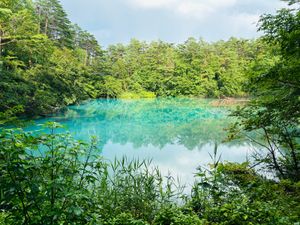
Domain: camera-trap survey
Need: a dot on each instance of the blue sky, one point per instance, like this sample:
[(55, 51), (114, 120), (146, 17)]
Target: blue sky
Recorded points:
[(117, 21)]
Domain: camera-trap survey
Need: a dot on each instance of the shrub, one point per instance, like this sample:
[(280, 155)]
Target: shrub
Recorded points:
[(174, 216), (235, 194), (53, 179)]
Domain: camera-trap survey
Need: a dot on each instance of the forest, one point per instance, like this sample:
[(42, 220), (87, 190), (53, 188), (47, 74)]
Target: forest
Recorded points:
[(48, 63)]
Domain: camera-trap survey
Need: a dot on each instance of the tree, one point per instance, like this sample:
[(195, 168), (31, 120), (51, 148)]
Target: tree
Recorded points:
[(87, 42), (54, 23), (16, 22), (275, 109)]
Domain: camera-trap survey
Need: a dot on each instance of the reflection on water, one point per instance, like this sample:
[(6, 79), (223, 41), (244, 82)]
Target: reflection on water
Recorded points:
[(177, 133)]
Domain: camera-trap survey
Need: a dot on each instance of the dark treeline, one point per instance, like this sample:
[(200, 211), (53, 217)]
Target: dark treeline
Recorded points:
[(46, 63)]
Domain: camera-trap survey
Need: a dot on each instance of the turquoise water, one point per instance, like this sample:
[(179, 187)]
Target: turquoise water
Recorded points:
[(176, 133)]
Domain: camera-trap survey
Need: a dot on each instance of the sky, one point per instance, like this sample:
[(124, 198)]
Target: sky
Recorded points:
[(118, 21)]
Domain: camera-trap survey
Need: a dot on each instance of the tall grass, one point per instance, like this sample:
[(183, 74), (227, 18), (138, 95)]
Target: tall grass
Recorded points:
[(53, 179)]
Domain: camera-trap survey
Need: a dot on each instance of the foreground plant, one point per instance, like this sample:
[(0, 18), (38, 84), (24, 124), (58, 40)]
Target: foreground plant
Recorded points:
[(275, 109), (53, 179), (234, 193)]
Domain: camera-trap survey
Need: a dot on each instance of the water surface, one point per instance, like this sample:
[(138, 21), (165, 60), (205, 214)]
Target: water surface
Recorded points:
[(176, 133)]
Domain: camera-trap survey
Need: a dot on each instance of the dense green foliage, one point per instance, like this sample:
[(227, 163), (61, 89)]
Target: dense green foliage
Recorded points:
[(47, 63), (194, 68), (52, 179), (235, 194), (275, 109)]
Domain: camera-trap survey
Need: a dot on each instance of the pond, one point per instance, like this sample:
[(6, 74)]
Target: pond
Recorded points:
[(178, 134)]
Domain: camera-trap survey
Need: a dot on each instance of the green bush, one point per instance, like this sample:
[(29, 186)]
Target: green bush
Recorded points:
[(125, 219), (141, 94), (232, 193), (53, 179), (174, 216), (109, 87)]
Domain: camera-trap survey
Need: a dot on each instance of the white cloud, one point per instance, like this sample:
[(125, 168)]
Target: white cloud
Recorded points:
[(243, 21), (194, 9), (152, 3), (189, 8), (114, 21), (102, 33)]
